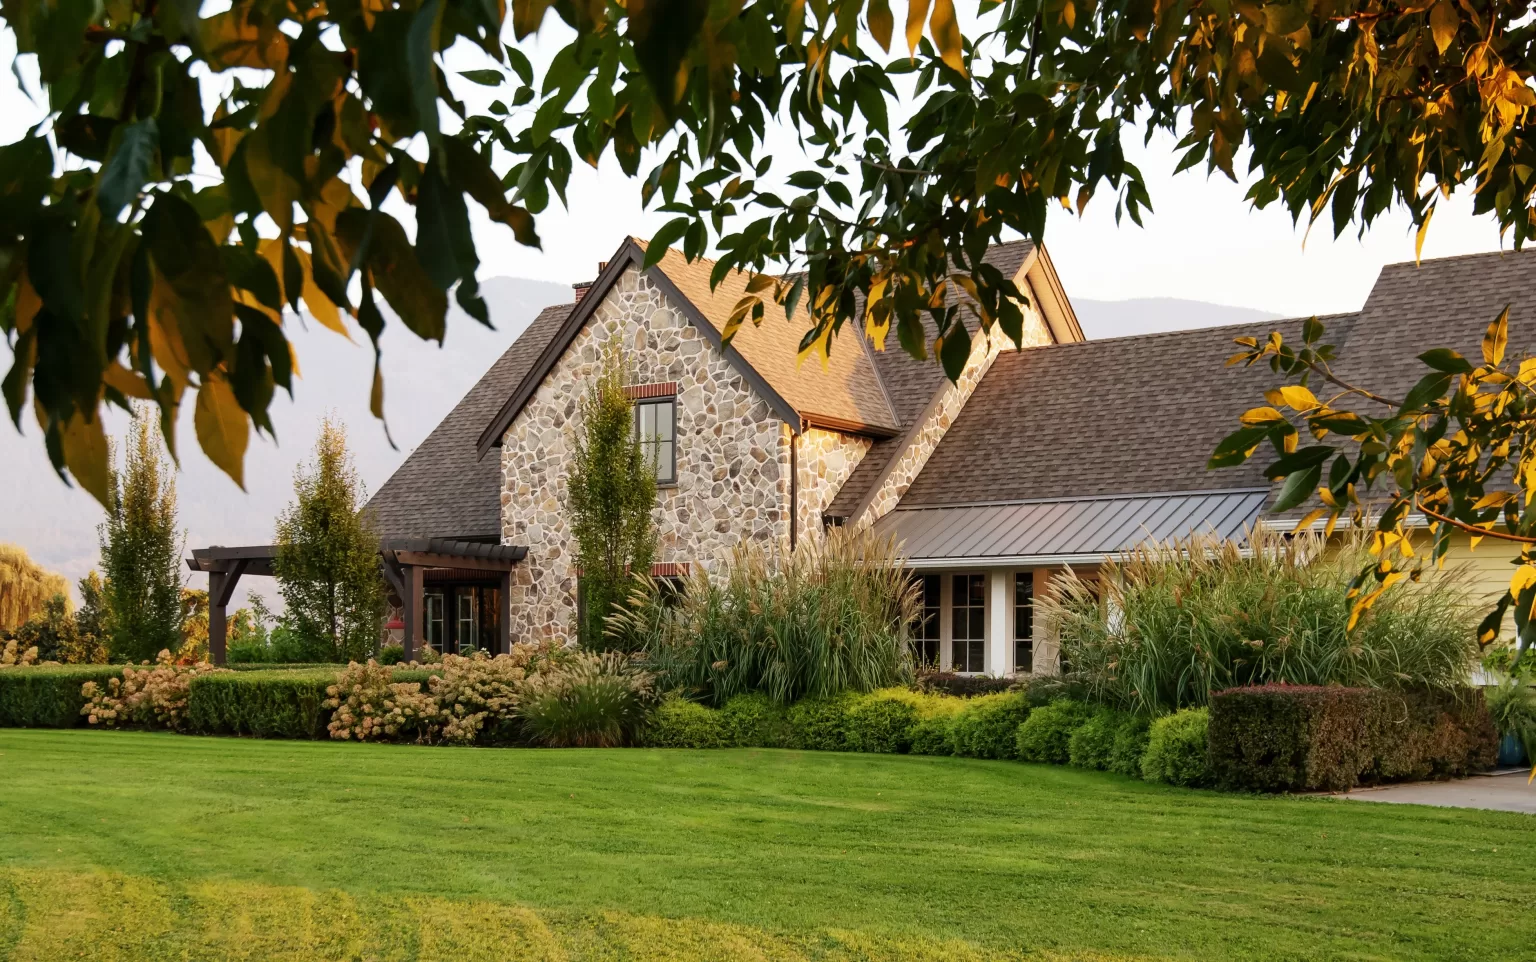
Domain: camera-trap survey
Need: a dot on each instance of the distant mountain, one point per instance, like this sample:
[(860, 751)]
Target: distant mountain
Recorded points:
[(1149, 315), (57, 525)]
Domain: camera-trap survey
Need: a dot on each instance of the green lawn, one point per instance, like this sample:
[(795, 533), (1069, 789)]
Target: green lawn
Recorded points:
[(137, 846)]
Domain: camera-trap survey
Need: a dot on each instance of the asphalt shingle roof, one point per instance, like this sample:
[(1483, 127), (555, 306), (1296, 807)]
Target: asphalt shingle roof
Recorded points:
[(443, 490)]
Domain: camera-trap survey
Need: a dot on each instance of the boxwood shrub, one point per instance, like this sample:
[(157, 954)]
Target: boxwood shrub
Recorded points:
[(930, 736), (883, 720), (755, 721), (48, 696), (987, 726), (1130, 744), (821, 724), (1046, 735), (680, 723), (1176, 749), (1092, 746), (264, 704)]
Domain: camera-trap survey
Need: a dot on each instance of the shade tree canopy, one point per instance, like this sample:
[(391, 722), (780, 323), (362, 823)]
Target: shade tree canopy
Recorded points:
[(202, 171)]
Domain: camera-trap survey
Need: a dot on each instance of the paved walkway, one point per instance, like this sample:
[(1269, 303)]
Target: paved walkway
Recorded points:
[(1509, 792)]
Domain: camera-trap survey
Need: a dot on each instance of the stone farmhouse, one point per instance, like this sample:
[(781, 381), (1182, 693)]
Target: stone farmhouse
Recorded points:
[(1059, 453)]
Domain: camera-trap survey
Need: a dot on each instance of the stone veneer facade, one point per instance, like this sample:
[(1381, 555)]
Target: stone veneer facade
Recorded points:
[(935, 421), (823, 461), (732, 455)]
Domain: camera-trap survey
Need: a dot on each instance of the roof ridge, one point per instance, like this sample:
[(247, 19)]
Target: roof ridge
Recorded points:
[(1455, 257), (1154, 335)]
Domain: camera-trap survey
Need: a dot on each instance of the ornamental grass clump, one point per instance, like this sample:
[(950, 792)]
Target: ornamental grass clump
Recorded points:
[(595, 700), (833, 615), (1163, 626)]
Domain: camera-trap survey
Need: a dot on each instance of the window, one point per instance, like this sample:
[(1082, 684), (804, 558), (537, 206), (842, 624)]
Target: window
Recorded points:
[(656, 430), (968, 623), (469, 625), (926, 635), (1023, 621), (432, 624)]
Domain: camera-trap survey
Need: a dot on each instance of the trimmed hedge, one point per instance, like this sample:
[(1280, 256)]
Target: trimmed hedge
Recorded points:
[(286, 666), (1276, 738), (680, 723), (987, 727), (48, 696), (1177, 752), (882, 721), (962, 686), (1130, 744), (821, 724), (1046, 735), (271, 704), (755, 721), (1092, 746)]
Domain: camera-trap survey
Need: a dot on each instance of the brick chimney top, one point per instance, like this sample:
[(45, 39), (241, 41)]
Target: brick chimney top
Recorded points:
[(581, 290)]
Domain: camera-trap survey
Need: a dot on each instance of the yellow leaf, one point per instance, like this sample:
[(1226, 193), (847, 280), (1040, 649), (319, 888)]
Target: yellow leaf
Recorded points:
[(1293, 396), (1418, 240), (881, 23), (946, 34), (1255, 417), (1496, 339), (1525, 577), (85, 453), (27, 305), (1306, 521), (222, 427), (130, 383), (917, 13), (1443, 23)]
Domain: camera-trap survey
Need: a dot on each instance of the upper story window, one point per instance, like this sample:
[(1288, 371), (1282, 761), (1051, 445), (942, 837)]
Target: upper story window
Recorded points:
[(656, 430)]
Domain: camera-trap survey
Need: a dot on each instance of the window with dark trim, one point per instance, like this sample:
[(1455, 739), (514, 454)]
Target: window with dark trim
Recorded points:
[(925, 639), (1023, 621), (656, 430), (968, 624)]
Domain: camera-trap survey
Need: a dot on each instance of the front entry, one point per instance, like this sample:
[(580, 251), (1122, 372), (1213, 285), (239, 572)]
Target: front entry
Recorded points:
[(461, 618)]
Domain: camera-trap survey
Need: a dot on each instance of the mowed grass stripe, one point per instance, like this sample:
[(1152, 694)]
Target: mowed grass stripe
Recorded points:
[(790, 848)]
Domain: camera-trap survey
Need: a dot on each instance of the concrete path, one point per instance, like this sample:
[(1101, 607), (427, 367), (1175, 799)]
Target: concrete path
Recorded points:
[(1507, 792)]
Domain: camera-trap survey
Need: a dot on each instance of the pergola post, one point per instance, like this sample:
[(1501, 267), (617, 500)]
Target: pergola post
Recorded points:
[(504, 616), (412, 603), (217, 627)]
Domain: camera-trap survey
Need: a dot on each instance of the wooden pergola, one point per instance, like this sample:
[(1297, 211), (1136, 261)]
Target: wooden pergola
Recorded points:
[(402, 561)]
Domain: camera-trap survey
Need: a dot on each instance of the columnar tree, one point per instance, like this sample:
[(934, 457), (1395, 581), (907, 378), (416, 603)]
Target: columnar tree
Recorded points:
[(141, 548), (610, 494), (327, 562), (25, 587)]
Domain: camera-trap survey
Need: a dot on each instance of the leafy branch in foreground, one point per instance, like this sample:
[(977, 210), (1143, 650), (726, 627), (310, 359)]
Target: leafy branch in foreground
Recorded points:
[(199, 175), (1457, 451)]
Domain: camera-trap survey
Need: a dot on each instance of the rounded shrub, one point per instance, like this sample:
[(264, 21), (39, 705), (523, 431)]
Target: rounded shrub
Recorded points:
[(1046, 735), (882, 721), (755, 721), (680, 723), (391, 654), (1177, 749), (821, 724), (1130, 745), (935, 714), (1092, 745), (987, 726)]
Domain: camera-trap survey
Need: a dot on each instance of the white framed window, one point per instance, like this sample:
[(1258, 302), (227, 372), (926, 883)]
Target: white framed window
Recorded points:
[(468, 634), (656, 430), (968, 622), (1023, 621), (433, 625), (927, 633)]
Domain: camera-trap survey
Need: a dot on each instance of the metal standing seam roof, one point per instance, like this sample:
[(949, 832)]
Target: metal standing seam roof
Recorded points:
[(1075, 529)]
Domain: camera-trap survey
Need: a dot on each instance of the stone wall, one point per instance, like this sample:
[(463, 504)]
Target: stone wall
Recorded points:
[(732, 455), (823, 461), (935, 421)]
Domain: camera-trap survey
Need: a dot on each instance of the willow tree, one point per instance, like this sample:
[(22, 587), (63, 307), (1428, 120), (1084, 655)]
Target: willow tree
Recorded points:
[(327, 561), (25, 587), (141, 548), (610, 495)]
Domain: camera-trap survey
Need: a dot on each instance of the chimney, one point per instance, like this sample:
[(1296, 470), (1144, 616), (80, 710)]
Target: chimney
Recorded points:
[(581, 290)]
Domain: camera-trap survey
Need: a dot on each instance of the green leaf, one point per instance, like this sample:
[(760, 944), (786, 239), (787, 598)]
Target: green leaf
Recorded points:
[(1430, 388), (396, 272), (444, 244), (955, 350), (469, 169), (127, 170), (420, 49), (669, 234), (519, 64), (1301, 460), (1298, 488), (191, 282), (1236, 447), (485, 78), (662, 31), (1447, 360)]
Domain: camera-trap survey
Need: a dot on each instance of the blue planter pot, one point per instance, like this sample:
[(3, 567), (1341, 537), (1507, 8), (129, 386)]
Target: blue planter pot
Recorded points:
[(1511, 750)]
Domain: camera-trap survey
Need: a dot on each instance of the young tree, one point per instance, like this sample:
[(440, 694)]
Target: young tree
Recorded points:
[(610, 494), (51, 631), (93, 622), (25, 587), (327, 562), (141, 548)]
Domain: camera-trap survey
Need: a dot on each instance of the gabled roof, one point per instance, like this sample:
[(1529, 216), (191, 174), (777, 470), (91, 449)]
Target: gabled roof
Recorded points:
[(444, 490)]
